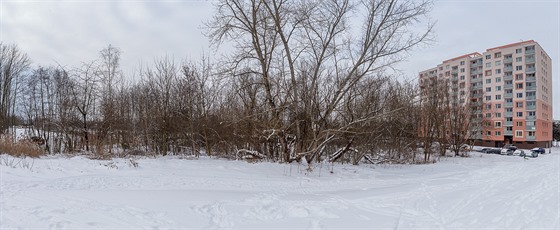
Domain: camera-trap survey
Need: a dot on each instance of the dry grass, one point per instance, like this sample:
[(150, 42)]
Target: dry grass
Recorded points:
[(22, 148)]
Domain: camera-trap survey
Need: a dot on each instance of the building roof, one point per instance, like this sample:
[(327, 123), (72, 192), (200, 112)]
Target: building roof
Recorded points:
[(471, 55), (510, 45)]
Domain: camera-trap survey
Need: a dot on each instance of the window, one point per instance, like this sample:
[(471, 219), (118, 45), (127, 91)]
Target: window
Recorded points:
[(488, 81), (498, 106), (498, 71), (498, 133), (497, 55), (447, 67), (488, 56), (462, 77), (462, 70), (519, 86), (519, 123), (488, 98), (498, 97), (519, 133), (489, 106), (519, 114), (531, 133), (488, 89), (498, 115), (488, 73), (498, 88), (519, 104), (518, 59), (488, 64), (488, 115), (519, 77), (518, 67), (497, 63), (519, 95), (498, 124), (498, 79), (532, 113), (462, 62), (518, 51)]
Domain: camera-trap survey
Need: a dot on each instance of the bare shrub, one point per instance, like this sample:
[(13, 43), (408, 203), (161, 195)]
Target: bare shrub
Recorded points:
[(14, 162), (22, 148), (133, 163)]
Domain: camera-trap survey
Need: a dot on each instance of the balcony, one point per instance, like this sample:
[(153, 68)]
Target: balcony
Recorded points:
[(531, 87), (531, 118), (508, 86), (531, 98), (508, 133), (530, 70), (508, 68), (508, 104), (476, 72), (476, 80), (478, 64), (531, 107), (508, 60), (530, 79), (529, 51), (531, 138), (508, 95), (529, 60), (477, 87), (508, 123), (530, 127), (476, 95), (508, 77), (508, 114)]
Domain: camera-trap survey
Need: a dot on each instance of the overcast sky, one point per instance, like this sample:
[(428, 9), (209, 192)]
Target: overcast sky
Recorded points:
[(70, 32)]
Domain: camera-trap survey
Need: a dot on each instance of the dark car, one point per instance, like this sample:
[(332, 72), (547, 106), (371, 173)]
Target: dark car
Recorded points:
[(538, 150), (510, 147), (491, 150)]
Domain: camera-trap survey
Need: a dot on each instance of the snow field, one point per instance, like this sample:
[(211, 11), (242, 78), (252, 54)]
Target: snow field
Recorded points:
[(483, 191)]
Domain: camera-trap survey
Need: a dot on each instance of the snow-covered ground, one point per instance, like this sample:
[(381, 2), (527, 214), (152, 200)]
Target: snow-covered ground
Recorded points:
[(484, 191)]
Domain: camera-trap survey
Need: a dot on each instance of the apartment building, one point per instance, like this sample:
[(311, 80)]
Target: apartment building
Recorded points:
[(508, 90)]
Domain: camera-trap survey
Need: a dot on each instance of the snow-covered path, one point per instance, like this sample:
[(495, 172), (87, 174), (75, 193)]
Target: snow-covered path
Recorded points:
[(484, 191)]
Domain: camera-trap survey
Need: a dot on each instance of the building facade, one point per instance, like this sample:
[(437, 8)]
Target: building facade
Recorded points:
[(509, 92)]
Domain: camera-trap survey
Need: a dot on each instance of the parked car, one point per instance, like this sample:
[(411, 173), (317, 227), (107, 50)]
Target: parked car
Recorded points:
[(506, 151), (519, 152), (510, 146), (491, 150), (538, 150), (463, 147), (529, 154)]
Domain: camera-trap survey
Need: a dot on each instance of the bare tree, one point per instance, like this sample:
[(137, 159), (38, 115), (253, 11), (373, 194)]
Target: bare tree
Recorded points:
[(85, 91), (110, 76), (311, 42), (13, 64)]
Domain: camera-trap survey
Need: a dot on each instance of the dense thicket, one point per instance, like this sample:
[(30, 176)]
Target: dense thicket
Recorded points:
[(307, 80)]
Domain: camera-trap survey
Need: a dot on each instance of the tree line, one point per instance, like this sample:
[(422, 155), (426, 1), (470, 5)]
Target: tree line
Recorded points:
[(306, 80)]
